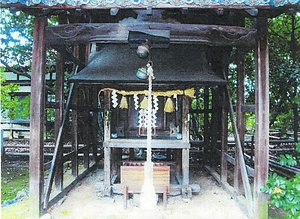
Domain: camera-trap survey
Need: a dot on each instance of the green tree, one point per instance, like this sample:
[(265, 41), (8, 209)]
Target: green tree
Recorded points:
[(16, 42), (12, 107), (284, 47), (16, 57)]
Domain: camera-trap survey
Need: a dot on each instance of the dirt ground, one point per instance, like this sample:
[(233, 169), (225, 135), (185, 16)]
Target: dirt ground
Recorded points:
[(86, 202)]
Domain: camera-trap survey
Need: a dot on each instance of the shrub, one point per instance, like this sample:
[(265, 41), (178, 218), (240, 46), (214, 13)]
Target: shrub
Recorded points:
[(285, 193)]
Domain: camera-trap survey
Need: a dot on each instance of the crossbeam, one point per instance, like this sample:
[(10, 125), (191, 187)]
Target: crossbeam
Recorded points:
[(214, 35)]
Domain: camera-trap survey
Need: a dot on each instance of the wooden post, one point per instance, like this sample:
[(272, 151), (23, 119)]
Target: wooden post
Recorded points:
[(214, 130), (107, 171), (261, 164), (206, 125), (240, 119), (37, 108), (224, 138), (59, 98), (95, 127), (87, 129), (185, 118), (186, 138), (74, 136), (185, 167), (107, 150)]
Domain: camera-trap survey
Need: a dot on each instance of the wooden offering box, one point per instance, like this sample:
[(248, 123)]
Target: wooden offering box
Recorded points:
[(132, 180)]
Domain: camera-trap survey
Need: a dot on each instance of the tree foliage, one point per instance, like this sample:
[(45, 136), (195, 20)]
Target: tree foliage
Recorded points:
[(284, 47), (16, 41), (284, 68), (12, 107), (285, 193)]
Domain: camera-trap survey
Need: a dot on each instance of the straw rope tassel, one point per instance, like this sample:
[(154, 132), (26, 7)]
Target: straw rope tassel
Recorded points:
[(123, 103), (144, 103), (169, 106)]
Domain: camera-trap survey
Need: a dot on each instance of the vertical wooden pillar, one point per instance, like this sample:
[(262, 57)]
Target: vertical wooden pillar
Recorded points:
[(87, 129), (261, 162), (107, 150), (240, 119), (185, 138), (59, 91), (59, 99), (224, 137), (206, 125), (37, 108), (185, 167), (74, 136), (214, 161), (185, 124), (95, 127)]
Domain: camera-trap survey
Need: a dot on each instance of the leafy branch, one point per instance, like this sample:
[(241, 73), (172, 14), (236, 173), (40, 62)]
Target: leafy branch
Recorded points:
[(9, 68), (285, 193)]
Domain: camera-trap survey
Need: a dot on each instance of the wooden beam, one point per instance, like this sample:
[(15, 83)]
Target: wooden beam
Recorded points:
[(56, 149), (74, 136), (59, 99), (185, 166), (240, 119), (206, 125), (261, 164), (107, 150), (246, 184), (70, 186), (37, 107), (39, 9), (141, 143), (224, 137), (94, 122), (216, 35), (215, 128), (185, 119)]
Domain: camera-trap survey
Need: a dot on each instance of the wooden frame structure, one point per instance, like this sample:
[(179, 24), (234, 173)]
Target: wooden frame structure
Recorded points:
[(213, 34), (122, 127)]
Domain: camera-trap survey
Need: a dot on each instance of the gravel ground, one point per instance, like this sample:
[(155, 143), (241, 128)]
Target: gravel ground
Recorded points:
[(85, 201)]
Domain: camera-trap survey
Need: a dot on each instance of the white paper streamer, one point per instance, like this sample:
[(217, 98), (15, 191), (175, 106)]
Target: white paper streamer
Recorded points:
[(176, 102), (155, 104), (114, 98), (136, 101), (142, 118), (154, 111), (153, 119)]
